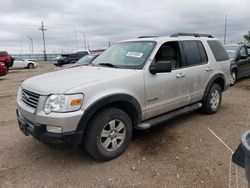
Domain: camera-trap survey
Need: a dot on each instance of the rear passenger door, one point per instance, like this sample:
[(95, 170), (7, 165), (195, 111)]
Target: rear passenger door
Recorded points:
[(197, 69)]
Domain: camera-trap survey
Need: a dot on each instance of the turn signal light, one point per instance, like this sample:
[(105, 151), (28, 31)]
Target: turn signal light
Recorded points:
[(76, 102)]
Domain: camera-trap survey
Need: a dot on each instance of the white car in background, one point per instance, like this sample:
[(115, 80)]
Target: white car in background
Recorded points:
[(22, 63)]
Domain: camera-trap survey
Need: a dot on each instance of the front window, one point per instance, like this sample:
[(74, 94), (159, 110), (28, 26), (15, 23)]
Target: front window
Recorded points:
[(127, 55), (231, 51)]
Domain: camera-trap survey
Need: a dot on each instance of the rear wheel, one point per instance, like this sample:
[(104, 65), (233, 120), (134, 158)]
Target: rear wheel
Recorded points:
[(108, 134), (212, 102), (31, 66)]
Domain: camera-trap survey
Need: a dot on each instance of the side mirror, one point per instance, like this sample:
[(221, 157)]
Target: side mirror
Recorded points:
[(161, 67)]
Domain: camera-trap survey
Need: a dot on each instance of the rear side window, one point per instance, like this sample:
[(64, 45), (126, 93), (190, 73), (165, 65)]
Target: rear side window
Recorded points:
[(203, 53), (218, 50), (194, 53)]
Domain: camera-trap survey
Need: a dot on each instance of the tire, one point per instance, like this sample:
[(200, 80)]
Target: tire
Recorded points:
[(116, 129), (212, 102), (233, 77), (30, 66), (7, 67)]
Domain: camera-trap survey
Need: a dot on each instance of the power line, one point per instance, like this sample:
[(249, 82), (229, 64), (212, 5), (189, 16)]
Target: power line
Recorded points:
[(44, 45)]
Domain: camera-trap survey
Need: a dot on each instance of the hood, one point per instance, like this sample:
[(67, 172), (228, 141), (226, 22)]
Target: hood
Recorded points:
[(67, 66), (63, 80)]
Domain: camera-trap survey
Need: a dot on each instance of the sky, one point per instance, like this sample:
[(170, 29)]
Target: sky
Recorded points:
[(104, 21)]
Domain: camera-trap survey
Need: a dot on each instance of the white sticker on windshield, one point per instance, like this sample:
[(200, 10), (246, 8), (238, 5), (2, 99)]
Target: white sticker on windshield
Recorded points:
[(134, 54)]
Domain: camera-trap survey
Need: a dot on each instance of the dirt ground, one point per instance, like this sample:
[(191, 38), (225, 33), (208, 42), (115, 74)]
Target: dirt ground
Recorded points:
[(180, 153)]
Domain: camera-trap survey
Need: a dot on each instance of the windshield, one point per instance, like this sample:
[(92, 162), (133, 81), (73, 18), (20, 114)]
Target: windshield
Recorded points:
[(86, 59), (231, 51), (128, 55)]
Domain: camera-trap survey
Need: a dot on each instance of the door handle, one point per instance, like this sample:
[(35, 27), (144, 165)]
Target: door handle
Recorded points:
[(180, 75), (209, 69)]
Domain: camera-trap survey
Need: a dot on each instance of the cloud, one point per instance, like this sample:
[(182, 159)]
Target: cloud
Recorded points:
[(114, 20)]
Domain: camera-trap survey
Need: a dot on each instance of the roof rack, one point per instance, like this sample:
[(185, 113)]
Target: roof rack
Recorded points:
[(192, 34), (152, 36)]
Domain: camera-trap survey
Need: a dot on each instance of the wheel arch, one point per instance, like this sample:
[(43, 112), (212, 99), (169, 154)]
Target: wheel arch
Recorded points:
[(218, 79), (235, 68), (124, 102), (30, 63)]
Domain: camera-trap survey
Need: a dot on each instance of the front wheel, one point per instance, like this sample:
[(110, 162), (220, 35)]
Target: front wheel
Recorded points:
[(108, 134), (233, 77), (212, 102)]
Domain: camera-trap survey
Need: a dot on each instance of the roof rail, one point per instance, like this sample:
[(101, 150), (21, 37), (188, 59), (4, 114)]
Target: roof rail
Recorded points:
[(152, 36), (192, 34)]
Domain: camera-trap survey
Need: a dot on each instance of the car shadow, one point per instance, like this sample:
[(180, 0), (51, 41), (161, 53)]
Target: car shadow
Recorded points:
[(159, 139)]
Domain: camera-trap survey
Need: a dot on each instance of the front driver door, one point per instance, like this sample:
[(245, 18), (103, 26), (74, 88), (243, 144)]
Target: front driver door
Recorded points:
[(166, 91), (243, 62)]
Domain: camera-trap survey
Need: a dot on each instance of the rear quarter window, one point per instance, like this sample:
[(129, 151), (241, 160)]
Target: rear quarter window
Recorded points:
[(218, 50)]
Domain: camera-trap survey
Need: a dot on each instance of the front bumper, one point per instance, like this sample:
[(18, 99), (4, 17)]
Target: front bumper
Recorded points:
[(57, 140)]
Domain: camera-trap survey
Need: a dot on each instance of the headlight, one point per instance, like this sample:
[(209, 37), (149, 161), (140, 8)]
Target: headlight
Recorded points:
[(63, 103)]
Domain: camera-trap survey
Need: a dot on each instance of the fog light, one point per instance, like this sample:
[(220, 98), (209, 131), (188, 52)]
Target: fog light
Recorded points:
[(53, 129)]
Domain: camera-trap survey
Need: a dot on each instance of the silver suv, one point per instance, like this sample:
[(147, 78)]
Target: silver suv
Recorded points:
[(134, 84)]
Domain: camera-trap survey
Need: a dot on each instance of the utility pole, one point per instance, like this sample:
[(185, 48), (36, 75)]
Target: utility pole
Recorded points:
[(84, 41), (29, 40), (44, 45), (21, 47), (32, 47), (225, 32), (75, 37), (88, 47)]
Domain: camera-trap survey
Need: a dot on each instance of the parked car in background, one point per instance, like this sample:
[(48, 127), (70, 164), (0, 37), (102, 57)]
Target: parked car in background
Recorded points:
[(7, 59), (3, 69), (240, 61), (70, 58), (21, 63), (84, 61)]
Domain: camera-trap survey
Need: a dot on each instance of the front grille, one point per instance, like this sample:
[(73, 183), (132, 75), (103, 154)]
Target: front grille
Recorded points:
[(30, 98)]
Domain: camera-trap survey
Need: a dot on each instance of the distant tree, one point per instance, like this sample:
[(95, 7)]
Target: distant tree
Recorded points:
[(247, 37)]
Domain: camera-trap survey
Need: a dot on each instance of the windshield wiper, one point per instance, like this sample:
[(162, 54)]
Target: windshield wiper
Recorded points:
[(108, 65), (91, 64)]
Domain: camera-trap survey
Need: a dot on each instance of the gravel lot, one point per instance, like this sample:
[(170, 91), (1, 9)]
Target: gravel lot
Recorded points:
[(180, 153)]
